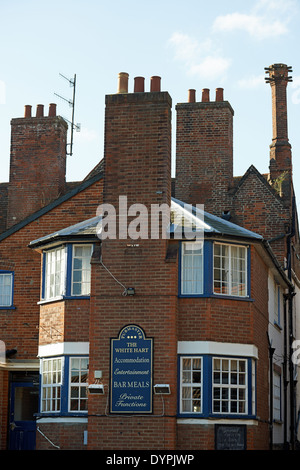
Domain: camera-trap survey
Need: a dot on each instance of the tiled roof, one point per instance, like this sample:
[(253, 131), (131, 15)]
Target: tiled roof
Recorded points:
[(182, 217)]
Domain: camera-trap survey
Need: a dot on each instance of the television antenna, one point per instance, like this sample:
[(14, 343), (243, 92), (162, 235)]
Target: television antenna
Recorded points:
[(72, 82)]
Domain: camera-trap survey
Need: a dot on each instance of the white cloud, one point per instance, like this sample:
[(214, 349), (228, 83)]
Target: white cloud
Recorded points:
[(267, 19), (200, 58), (87, 135), (252, 82), (210, 67), (256, 26)]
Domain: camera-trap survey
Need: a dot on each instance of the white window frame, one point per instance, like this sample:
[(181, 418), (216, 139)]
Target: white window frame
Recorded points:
[(51, 384), (55, 279), (193, 269), (230, 387), (88, 271), (231, 272), (191, 385), (277, 303), (81, 385), (7, 282), (276, 396)]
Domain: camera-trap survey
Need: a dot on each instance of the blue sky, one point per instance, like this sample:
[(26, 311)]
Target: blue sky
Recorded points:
[(190, 44)]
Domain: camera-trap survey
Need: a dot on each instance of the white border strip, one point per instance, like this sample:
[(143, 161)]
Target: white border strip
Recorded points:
[(61, 349), (248, 422), (212, 347), (62, 419)]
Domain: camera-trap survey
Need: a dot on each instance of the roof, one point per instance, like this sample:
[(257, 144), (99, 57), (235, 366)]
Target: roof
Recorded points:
[(199, 219), (184, 219), (82, 229), (75, 190)]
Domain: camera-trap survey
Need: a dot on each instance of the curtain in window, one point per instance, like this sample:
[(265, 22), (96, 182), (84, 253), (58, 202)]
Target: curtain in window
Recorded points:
[(192, 268)]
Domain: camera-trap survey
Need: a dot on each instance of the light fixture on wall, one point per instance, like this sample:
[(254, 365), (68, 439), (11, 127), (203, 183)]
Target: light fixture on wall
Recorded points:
[(96, 389), (130, 291), (160, 389)]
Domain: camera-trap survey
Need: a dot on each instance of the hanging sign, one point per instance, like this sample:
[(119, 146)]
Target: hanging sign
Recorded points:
[(131, 372)]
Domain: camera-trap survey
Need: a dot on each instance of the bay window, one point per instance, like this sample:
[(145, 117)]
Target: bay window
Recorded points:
[(213, 268), (64, 385), (67, 271), (215, 386)]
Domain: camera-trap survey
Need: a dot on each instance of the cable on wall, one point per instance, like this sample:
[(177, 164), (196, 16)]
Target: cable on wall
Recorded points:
[(122, 285)]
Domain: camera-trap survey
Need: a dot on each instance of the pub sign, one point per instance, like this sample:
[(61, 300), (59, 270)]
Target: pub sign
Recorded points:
[(131, 371)]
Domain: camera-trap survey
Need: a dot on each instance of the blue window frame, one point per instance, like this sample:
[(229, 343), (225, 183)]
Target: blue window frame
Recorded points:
[(216, 386), (6, 289), (67, 271), (63, 385), (213, 268)]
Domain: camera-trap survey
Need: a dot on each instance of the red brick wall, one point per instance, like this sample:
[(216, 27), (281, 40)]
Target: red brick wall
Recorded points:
[(19, 327), (66, 436), (204, 154), (137, 164), (258, 208)]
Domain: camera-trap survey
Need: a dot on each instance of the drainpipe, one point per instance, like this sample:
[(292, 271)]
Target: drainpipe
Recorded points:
[(271, 353), (285, 376), (291, 328)]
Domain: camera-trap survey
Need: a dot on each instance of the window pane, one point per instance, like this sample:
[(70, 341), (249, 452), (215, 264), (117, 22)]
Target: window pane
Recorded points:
[(6, 289), (229, 385), (51, 384), (192, 268), (230, 270), (81, 270), (78, 383), (191, 376), (55, 273)]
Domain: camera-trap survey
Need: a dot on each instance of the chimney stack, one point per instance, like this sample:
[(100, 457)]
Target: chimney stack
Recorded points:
[(138, 144), (37, 162), (280, 149), (204, 151)]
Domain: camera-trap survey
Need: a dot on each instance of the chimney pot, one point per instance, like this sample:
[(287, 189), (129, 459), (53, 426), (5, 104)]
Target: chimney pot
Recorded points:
[(139, 84), (52, 109), (205, 95), (191, 96), (40, 110), (27, 113), (155, 83), (123, 82), (219, 94)]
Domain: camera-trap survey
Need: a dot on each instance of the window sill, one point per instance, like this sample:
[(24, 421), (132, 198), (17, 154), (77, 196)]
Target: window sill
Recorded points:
[(277, 326), (12, 307), (228, 420), (59, 418), (216, 296), (63, 297)]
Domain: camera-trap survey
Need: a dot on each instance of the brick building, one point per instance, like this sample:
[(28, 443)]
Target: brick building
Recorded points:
[(170, 332)]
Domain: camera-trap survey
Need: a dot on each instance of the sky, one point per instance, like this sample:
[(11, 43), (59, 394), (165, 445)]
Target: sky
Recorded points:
[(189, 44)]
